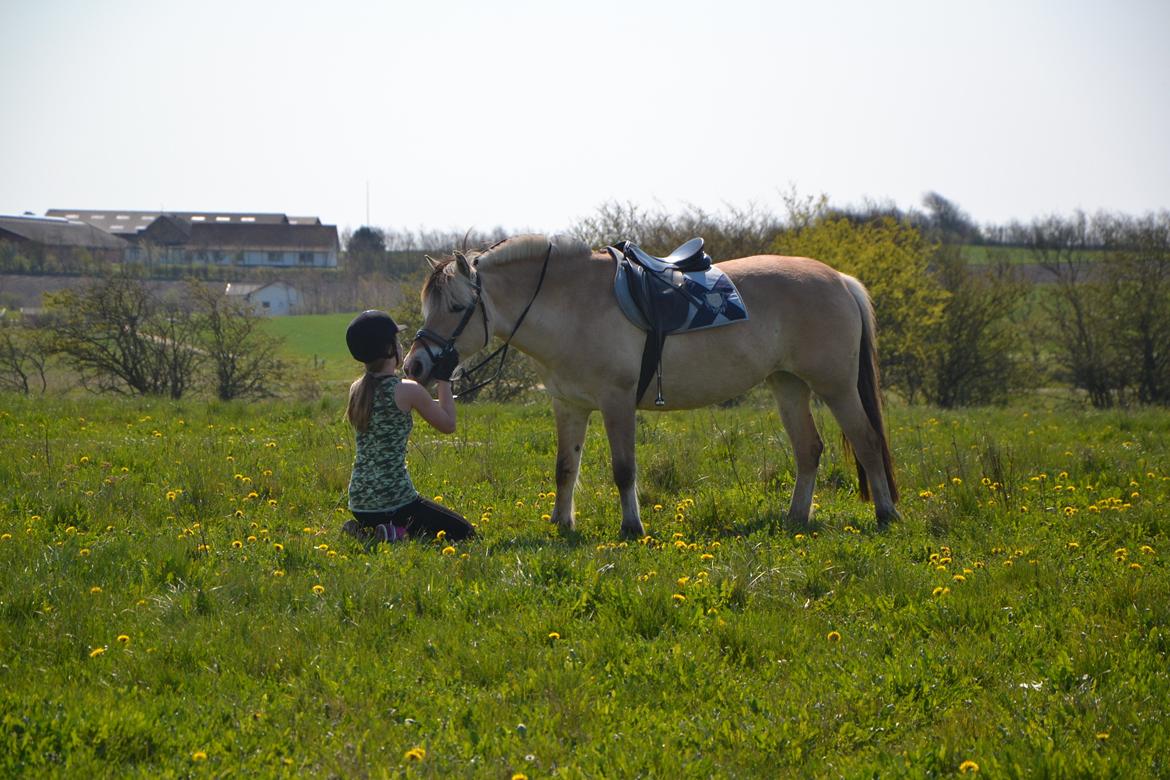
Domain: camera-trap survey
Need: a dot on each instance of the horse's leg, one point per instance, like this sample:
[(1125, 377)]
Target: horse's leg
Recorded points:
[(792, 397), (571, 424), (867, 448), (619, 420)]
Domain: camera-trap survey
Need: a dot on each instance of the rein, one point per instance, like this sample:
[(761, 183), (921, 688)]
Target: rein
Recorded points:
[(448, 346)]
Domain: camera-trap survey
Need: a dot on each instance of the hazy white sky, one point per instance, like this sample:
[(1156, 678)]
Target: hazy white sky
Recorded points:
[(531, 114)]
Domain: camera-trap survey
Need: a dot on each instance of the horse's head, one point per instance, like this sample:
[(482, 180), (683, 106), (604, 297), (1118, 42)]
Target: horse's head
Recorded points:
[(451, 302)]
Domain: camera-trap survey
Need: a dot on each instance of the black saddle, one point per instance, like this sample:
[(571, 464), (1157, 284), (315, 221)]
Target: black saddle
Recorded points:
[(688, 257), (651, 293)]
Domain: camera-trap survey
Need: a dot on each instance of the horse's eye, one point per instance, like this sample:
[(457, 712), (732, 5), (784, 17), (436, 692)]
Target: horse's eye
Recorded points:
[(457, 307)]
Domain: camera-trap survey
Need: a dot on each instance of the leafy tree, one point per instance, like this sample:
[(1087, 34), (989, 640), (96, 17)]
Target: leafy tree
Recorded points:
[(976, 343), (1080, 312), (946, 222), (242, 356), (23, 357), (122, 338), (365, 250), (892, 259), (1135, 274)]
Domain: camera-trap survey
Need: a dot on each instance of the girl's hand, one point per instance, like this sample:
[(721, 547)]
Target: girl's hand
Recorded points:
[(439, 413)]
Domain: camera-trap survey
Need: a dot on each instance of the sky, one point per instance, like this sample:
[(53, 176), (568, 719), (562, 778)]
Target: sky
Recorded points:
[(455, 114)]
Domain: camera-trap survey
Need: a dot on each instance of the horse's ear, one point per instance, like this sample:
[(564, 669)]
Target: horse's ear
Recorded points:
[(462, 265), (432, 262)]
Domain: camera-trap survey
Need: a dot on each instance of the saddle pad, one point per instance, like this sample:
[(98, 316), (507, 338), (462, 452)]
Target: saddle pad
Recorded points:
[(696, 300)]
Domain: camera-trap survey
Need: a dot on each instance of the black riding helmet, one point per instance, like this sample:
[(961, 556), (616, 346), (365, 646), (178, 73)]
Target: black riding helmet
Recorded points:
[(371, 335)]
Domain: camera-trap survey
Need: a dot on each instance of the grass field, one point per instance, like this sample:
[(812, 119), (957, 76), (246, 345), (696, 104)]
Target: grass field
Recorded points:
[(176, 600), (317, 341)]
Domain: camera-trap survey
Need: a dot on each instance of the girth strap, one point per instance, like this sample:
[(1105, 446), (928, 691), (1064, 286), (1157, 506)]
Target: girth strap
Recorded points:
[(651, 365)]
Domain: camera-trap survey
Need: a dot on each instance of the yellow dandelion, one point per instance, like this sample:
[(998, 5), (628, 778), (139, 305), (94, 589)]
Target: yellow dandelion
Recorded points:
[(968, 766), (940, 591), (251, 538), (415, 754), (199, 755), (124, 638), (706, 557), (318, 589), (679, 598), (956, 481), (236, 543), (96, 652), (1147, 550), (682, 581), (440, 536), (545, 518), (96, 589), (553, 635), (83, 552), (1073, 545), (448, 550), (658, 507), (925, 494), (172, 495), (959, 578), (278, 547), (1135, 565), (272, 502), (278, 572), (1103, 735), (833, 636), (519, 776)]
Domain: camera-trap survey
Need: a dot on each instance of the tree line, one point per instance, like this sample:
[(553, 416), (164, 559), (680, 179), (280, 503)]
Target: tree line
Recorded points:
[(952, 332), (1093, 314), (117, 334)]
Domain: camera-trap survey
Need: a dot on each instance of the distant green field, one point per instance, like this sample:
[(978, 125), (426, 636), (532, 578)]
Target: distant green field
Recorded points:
[(316, 340)]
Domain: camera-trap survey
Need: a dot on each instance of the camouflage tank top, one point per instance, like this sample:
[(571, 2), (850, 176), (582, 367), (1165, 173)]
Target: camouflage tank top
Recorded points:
[(380, 482)]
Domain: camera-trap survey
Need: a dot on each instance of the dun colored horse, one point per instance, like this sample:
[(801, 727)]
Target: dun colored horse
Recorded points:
[(810, 330)]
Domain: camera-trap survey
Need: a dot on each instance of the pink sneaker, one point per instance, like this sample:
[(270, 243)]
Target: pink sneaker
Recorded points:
[(388, 532)]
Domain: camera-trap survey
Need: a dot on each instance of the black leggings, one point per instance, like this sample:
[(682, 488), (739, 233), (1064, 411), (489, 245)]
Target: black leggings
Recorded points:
[(421, 518)]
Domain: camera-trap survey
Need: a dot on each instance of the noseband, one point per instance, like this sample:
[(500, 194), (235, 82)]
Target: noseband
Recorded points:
[(427, 337)]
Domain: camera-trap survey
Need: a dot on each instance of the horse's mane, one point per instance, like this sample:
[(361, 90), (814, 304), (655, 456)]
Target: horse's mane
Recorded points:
[(529, 246), (500, 253)]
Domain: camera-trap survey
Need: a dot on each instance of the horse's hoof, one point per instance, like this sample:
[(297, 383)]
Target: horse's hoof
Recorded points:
[(632, 531), (564, 525), (884, 518)]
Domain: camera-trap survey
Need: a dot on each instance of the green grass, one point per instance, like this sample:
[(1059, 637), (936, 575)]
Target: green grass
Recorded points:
[(199, 531), (316, 340)]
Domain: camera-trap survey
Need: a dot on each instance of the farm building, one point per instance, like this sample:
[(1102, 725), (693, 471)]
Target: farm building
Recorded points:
[(220, 238), (274, 299), (41, 234)]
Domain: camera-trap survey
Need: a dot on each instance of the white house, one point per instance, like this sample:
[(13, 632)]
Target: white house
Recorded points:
[(274, 299)]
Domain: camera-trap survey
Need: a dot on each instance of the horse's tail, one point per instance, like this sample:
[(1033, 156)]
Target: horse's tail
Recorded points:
[(869, 385)]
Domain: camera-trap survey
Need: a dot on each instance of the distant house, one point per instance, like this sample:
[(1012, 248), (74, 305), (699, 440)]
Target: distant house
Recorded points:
[(275, 299), (219, 238), (61, 234)]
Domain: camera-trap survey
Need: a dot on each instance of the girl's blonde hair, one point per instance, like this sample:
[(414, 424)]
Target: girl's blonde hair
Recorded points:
[(361, 393)]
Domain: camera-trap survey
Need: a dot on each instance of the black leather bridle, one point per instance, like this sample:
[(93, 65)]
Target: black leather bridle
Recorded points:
[(446, 347), (428, 338)]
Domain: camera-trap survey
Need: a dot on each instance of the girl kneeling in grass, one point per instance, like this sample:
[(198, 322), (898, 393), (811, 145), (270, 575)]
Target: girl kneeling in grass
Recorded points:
[(382, 498)]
